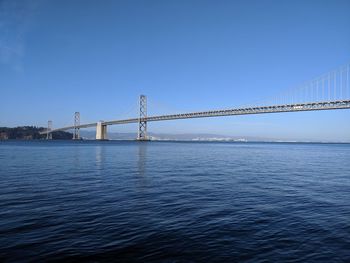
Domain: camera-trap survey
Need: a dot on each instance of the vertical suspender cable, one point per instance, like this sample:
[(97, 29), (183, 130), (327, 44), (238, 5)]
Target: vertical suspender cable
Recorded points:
[(341, 83), (335, 85), (347, 81)]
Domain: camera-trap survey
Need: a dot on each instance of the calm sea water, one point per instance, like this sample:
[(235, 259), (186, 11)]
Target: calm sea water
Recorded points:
[(174, 202)]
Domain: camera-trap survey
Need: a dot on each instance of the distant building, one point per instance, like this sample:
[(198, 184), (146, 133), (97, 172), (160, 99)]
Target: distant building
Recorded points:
[(3, 136)]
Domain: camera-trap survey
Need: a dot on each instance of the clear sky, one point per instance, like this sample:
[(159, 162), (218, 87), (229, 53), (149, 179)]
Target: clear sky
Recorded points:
[(96, 57)]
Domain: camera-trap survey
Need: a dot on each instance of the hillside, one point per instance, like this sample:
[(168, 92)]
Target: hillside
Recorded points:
[(30, 133)]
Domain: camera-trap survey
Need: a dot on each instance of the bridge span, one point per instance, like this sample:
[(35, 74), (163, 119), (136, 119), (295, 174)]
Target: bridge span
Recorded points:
[(331, 91), (101, 127)]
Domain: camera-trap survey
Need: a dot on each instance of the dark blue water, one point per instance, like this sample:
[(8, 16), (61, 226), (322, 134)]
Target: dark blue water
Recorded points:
[(174, 202)]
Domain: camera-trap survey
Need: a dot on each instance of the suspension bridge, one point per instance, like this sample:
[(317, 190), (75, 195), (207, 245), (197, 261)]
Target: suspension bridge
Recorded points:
[(330, 91)]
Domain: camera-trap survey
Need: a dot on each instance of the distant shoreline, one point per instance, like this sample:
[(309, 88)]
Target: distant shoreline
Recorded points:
[(171, 141)]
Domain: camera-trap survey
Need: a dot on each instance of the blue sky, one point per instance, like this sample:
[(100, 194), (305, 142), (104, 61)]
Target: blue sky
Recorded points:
[(96, 57)]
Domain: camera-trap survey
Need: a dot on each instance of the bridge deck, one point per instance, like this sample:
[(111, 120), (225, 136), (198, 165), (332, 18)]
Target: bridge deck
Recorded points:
[(312, 106)]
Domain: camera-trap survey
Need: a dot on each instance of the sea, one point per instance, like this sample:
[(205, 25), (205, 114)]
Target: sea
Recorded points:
[(129, 201)]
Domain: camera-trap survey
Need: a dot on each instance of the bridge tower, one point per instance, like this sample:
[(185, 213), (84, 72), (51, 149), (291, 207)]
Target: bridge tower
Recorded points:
[(142, 132), (49, 128), (76, 134)]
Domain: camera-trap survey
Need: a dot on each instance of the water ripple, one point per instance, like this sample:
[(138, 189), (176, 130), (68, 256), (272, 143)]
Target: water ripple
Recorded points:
[(174, 202)]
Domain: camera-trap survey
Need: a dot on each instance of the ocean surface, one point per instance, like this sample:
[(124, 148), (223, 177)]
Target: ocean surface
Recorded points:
[(86, 201)]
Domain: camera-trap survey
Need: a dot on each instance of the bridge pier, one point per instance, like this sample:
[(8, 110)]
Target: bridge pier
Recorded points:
[(101, 131)]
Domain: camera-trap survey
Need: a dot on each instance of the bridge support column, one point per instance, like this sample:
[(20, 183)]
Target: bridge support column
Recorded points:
[(101, 131), (49, 129), (76, 134), (142, 132)]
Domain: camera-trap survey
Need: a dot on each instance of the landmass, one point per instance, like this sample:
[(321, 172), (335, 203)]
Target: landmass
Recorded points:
[(31, 133)]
